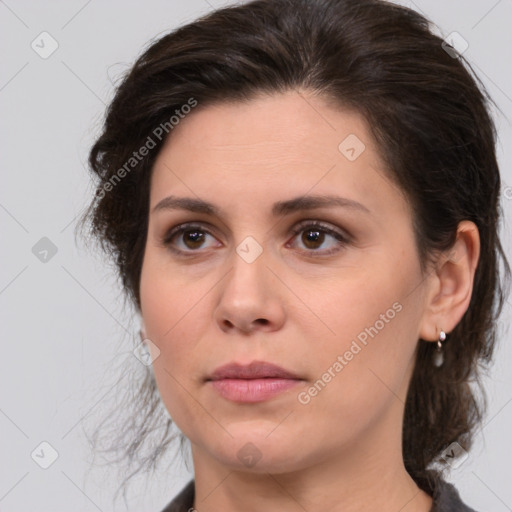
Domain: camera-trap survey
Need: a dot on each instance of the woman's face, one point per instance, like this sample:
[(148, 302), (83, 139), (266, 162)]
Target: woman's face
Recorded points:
[(298, 251)]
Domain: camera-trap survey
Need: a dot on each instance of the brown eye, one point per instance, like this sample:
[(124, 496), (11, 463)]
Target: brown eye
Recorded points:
[(193, 239), (189, 238), (318, 239), (313, 238)]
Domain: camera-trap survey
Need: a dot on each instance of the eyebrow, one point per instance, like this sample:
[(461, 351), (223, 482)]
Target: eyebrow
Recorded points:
[(279, 209)]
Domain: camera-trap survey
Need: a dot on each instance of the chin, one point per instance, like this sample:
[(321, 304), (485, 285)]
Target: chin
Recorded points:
[(255, 451)]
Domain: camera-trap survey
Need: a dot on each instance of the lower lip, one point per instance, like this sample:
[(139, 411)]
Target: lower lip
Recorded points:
[(252, 390)]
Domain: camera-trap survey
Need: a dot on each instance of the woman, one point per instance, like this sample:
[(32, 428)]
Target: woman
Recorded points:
[(302, 201)]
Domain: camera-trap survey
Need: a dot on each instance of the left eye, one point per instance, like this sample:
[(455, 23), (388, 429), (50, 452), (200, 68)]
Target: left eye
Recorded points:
[(318, 236)]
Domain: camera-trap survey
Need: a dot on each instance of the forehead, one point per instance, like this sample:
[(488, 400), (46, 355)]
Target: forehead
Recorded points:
[(282, 144), (294, 121)]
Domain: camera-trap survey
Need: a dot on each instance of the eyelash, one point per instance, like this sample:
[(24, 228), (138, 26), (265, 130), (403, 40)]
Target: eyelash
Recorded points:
[(325, 228), (301, 227)]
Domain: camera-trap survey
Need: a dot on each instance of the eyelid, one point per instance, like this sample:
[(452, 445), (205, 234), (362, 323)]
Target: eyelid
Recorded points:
[(338, 233), (185, 227)]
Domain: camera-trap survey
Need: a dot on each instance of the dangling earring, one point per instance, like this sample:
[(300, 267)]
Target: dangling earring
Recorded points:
[(438, 357)]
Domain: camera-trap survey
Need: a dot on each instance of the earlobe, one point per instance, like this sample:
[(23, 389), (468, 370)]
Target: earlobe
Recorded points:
[(452, 283), (142, 326), (142, 331)]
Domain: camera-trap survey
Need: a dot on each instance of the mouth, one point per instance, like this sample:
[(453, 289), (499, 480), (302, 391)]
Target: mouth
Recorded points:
[(255, 382)]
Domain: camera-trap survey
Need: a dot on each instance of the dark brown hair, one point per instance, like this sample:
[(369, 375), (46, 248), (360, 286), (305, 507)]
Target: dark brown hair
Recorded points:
[(429, 114)]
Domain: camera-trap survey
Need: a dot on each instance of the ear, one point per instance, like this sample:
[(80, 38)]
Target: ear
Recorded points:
[(450, 283)]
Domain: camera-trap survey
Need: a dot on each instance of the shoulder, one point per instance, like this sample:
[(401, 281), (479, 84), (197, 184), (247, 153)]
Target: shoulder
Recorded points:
[(446, 499), (183, 502)]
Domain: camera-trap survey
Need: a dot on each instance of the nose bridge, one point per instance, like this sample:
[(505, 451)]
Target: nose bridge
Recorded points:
[(248, 268), (247, 297)]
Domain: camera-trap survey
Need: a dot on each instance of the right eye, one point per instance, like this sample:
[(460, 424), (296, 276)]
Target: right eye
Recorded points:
[(188, 238)]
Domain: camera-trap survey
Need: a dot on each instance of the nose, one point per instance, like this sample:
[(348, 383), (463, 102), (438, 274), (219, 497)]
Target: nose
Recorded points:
[(250, 298)]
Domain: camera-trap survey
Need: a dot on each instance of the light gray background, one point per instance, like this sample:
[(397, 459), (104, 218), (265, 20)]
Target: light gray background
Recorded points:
[(63, 323)]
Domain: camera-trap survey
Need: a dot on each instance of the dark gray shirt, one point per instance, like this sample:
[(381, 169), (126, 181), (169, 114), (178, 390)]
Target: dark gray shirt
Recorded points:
[(445, 496)]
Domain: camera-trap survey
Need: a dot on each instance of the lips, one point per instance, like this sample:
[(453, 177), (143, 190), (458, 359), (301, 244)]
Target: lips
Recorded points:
[(255, 382), (254, 370)]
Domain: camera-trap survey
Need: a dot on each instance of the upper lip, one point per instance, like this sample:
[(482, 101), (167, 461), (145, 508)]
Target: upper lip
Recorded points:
[(254, 370)]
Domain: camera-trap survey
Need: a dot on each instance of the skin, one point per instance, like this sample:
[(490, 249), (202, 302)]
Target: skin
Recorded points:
[(295, 306)]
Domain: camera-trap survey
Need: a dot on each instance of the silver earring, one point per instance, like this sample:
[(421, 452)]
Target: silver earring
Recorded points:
[(438, 357)]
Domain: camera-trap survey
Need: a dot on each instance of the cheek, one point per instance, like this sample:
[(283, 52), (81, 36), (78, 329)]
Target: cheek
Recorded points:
[(365, 366), (174, 321), (170, 302)]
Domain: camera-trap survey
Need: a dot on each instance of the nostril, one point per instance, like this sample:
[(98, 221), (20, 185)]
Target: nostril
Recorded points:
[(229, 325)]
